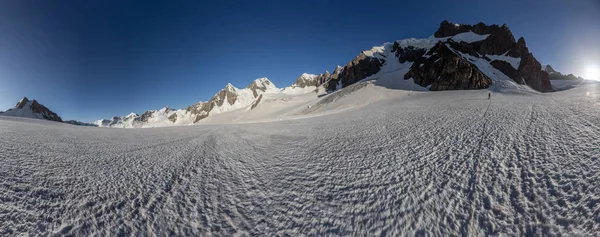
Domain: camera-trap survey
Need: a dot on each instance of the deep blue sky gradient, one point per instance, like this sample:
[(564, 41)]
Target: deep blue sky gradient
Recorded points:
[(89, 60)]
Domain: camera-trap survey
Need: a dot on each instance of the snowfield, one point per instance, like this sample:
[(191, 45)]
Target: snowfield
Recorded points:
[(423, 163)]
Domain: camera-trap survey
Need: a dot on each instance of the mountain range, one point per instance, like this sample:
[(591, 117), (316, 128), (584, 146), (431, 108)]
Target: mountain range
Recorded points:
[(555, 75), (455, 57)]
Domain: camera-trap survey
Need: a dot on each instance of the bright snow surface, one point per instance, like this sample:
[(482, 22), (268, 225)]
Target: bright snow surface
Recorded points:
[(423, 163)]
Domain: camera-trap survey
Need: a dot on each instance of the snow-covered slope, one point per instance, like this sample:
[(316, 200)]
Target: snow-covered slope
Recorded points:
[(450, 163)]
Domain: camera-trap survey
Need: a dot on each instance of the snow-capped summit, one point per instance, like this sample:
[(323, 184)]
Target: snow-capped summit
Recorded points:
[(261, 84), (22, 102), (132, 115), (32, 109), (305, 80)]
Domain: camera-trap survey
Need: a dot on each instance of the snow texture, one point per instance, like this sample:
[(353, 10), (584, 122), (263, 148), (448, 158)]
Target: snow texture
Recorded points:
[(430, 164), (514, 62), (469, 37)]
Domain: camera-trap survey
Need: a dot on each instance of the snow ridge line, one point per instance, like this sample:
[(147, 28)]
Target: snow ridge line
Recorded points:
[(473, 179)]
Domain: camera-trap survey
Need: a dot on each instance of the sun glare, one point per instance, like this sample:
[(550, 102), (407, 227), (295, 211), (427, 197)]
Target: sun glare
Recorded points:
[(592, 72)]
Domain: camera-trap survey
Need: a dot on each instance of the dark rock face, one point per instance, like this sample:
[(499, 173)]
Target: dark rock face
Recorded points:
[(408, 54), (200, 110), (508, 69), (145, 116), (466, 48), (360, 68), (228, 93), (459, 73), (446, 70), (322, 78), (518, 49), (499, 42), (449, 29), (21, 104), (303, 81), (256, 102), (173, 118), (531, 71), (334, 80), (255, 87)]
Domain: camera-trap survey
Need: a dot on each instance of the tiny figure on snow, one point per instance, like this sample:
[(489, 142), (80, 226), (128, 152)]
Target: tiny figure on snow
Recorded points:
[(489, 96)]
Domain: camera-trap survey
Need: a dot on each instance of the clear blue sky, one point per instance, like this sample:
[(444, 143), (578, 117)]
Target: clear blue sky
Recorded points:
[(88, 60)]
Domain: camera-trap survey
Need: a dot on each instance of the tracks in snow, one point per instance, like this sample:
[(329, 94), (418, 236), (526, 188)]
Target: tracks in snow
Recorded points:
[(424, 166)]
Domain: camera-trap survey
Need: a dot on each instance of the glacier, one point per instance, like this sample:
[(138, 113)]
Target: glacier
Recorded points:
[(399, 163)]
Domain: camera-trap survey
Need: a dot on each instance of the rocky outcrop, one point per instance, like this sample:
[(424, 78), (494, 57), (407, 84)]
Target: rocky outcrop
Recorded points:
[(445, 70), (145, 116), (500, 42), (334, 81), (227, 93), (258, 86), (256, 102), (531, 71), (508, 70), (200, 110), (173, 118), (307, 80), (312, 80), (449, 29), (408, 54), (361, 67)]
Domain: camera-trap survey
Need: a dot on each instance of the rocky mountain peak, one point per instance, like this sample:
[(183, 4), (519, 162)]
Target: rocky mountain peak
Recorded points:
[(22, 103), (260, 85), (229, 87), (500, 42), (32, 109), (549, 69), (556, 75)]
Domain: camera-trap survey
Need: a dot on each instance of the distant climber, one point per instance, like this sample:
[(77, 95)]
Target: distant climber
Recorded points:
[(489, 96)]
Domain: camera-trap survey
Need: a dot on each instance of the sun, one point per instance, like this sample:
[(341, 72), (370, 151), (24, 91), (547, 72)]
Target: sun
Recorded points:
[(592, 72)]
